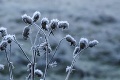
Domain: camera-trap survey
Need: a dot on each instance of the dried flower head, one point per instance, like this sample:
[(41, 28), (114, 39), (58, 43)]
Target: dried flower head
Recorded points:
[(27, 19), (70, 39), (63, 24), (9, 38), (44, 45), (36, 16), (93, 43), (76, 50), (83, 43), (39, 73), (3, 45), (54, 24), (3, 31), (1, 67), (44, 23), (26, 32)]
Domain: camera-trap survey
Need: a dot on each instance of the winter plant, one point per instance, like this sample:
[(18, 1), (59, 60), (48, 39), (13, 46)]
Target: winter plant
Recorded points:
[(45, 28)]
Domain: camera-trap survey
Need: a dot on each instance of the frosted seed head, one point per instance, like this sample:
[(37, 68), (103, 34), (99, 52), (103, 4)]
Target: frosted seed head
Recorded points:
[(36, 16), (39, 73), (44, 23), (3, 31), (70, 39), (26, 32), (54, 24), (9, 38), (3, 45), (1, 67), (27, 19), (93, 43), (76, 50), (63, 24), (83, 43)]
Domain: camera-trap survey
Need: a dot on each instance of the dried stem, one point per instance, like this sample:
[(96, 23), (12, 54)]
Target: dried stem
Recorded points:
[(10, 66), (73, 63)]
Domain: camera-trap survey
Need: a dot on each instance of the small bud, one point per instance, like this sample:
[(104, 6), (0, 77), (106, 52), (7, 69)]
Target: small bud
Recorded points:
[(63, 24), (3, 31), (68, 68), (3, 45), (70, 39), (77, 49), (27, 19), (39, 73), (9, 38), (54, 24), (1, 67), (36, 16), (44, 45), (29, 67), (53, 64), (93, 43), (26, 32), (44, 23), (83, 43)]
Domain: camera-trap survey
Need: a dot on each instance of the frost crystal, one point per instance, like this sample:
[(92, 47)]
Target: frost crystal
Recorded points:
[(68, 68), (53, 64)]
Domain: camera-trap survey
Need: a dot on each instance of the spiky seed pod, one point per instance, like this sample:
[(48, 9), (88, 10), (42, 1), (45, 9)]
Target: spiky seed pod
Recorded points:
[(1, 67), (93, 43), (44, 23), (26, 32), (83, 43), (76, 50), (63, 24), (39, 73), (54, 24), (9, 38), (27, 19), (3, 45), (70, 39), (3, 31), (36, 16)]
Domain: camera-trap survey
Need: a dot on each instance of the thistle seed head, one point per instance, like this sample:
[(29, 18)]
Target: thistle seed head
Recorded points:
[(54, 24), (39, 73), (36, 16), (63, 24), (83, 43), (70, 39), (27, 19), (9, 38), (26, 32), (3, 45), (3, 31), (93, 43), (44, 23)]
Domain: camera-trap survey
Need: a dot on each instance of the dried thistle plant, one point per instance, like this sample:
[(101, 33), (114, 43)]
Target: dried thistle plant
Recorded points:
[(44, 45)]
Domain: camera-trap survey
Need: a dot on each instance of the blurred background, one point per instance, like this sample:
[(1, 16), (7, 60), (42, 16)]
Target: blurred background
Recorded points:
[(92, 19)]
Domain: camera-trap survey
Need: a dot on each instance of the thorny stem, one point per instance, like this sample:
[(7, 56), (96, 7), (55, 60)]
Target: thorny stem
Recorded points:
[(55, 51), (73, 63), (22, 50), (9, 65), (44, 76)]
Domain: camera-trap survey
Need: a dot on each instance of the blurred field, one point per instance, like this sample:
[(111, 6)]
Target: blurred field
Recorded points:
[(93, 19)]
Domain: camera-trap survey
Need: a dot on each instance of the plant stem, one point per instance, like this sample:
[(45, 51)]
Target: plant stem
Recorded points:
[(73, 63), (9, 65)]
